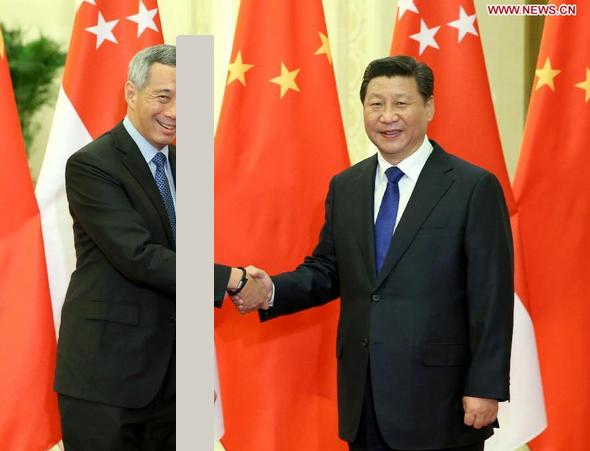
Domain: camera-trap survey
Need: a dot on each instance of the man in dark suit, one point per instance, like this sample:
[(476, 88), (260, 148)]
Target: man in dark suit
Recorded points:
[(116, 359), (417, 244)]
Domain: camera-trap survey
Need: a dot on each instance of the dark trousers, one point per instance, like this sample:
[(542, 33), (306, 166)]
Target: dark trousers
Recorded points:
[(90, 426), (369, 436)]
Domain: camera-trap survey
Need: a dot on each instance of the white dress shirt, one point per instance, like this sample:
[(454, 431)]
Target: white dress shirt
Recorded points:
[(148, 152), (411, 167)]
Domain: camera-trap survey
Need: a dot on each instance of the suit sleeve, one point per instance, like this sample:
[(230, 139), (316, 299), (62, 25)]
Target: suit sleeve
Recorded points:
[(490, 291), (99, 205), (221, 279), (315, 281)]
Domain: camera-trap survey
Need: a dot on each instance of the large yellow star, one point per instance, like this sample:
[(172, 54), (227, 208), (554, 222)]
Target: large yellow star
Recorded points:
[(546, 75), (238, 69), (585, 85), (286, 80), (325, 48)]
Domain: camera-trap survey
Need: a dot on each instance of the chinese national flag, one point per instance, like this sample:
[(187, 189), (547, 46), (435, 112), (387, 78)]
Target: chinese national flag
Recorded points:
[(29, 419), (446, 37), (551, 188), (105, 37), (279, 141)]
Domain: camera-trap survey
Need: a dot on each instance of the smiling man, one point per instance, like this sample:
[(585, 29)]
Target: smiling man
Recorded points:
[(417, 245), (115, 371)]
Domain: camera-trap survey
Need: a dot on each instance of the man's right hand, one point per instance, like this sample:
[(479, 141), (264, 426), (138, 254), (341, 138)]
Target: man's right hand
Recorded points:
[(256, 293)]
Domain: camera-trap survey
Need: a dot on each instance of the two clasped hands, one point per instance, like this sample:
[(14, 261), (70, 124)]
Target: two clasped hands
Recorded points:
[(256, 291)]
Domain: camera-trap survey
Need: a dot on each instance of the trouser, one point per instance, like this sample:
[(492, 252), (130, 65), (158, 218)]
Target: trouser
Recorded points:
[(91, 426)]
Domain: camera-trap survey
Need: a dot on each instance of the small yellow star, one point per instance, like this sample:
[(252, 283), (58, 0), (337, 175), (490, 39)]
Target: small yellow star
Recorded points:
[(238, 69), (546, 75), (286, 80), (585, 85), (325, 48)]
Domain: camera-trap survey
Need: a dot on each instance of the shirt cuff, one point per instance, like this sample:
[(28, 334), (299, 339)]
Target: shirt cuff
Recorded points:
[(272, 297)]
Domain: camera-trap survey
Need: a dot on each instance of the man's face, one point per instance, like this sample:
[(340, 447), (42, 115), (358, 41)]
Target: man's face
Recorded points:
[(152, 110), (396, 116)]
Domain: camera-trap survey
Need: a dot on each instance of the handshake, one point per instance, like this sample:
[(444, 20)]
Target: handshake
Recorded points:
[(256, 289)]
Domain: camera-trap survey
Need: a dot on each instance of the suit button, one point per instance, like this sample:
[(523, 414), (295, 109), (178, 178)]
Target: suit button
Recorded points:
[(172, 319), (365, 342), (375, 298)]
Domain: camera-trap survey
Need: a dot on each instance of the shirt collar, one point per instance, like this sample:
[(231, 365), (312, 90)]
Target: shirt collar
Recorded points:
[(411, 165), (145, 147)]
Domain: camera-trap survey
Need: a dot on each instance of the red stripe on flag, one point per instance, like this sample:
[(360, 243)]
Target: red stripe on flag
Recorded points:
[(94, 77), (28, 414), (279, 141), (551, 189)]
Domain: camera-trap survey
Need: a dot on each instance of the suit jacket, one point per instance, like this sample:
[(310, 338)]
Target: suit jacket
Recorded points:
[(118, 320), (221, 278), (436, 323)]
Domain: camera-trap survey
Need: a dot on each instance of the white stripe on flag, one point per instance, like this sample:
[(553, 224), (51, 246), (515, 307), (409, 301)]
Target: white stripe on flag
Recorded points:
[(67, 135), (523, 418)]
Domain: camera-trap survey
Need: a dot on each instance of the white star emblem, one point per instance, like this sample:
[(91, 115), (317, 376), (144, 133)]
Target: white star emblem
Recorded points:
[(464, 24), (425, 37), (103, 30), (144, 19), (406, 5)]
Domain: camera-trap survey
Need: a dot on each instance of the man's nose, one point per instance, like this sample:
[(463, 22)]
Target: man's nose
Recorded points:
[(170, 110), (389, 115)]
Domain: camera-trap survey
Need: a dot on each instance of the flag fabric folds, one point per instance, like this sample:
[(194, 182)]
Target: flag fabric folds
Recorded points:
[(279, 141), (445, 35), (29, 417), (106, 34), (551, 191)]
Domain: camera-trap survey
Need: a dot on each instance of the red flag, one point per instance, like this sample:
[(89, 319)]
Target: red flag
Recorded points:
[(551, 190), (28, 414), (105, 37), (279, 141), (445, 35)]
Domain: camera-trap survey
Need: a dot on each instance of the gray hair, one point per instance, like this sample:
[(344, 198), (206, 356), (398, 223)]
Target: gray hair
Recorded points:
[(139, 66)]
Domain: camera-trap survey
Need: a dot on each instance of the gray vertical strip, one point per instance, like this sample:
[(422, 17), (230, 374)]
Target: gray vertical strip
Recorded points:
[(194, 299)]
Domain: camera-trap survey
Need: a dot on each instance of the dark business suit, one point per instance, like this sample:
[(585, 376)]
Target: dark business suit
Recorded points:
[(436, 321), (116, 341), (221, 278)]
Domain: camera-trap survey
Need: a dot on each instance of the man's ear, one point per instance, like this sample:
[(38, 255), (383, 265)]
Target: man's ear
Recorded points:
[(430, 108), (130, 94)]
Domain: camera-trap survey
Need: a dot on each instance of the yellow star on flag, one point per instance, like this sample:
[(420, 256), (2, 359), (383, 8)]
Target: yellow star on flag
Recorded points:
[(546, 75), (286, 80), (325, 48), (238, 69), (585, 85)]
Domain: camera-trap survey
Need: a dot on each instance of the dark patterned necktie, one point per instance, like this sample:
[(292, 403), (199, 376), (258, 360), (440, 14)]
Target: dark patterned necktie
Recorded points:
[(164, 187)]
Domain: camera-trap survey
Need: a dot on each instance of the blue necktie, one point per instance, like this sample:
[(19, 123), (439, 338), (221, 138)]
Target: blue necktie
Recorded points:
[(164, 187), (386, 217)]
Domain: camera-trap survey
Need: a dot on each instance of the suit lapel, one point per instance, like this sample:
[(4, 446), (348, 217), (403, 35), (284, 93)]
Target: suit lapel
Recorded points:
[(364, 195), (139, 169), (432, 184), (172, 158)]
